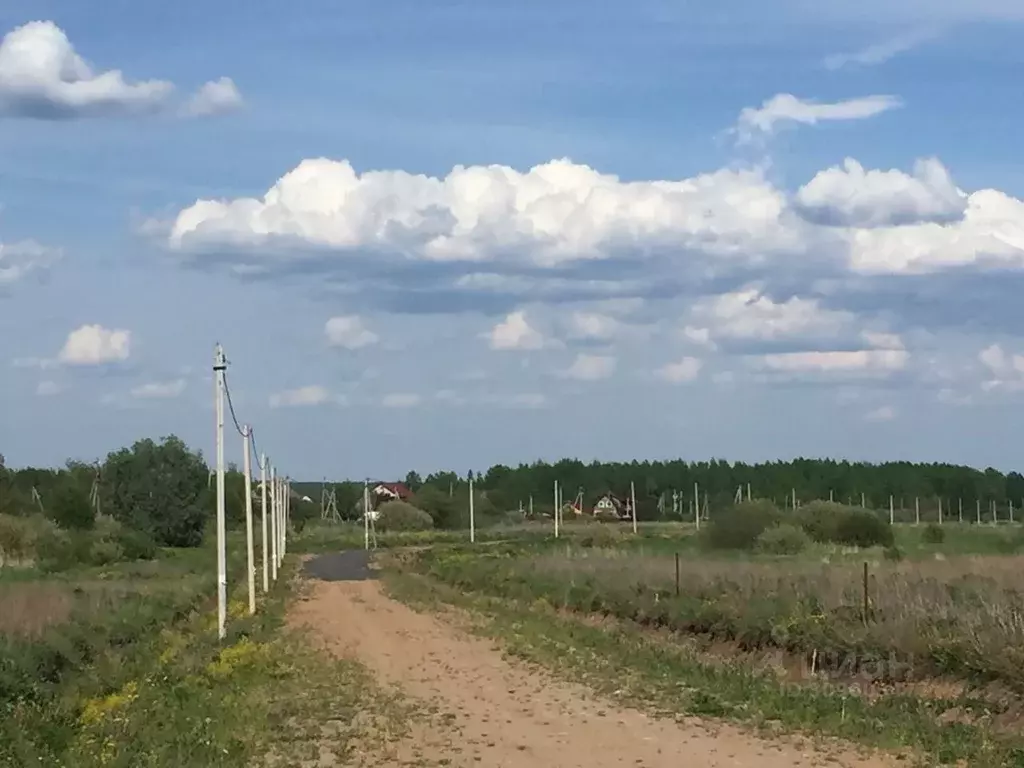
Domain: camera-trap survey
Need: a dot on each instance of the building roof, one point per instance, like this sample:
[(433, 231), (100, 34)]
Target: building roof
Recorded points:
[(401, 490)]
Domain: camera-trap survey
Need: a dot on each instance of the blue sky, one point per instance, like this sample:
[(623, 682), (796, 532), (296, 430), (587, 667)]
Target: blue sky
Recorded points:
[(692, 268)]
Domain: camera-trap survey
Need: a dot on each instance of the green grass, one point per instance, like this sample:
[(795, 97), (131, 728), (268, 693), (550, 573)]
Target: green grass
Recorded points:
[(124, 668), (604, 618)]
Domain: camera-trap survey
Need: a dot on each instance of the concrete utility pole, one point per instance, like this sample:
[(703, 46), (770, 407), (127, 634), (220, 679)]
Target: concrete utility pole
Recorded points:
[(274, 503), (250, 555), (219, 366), (696, 505), (366, 516), (263, 513), (472, 517), (556, 509), (632, 502)]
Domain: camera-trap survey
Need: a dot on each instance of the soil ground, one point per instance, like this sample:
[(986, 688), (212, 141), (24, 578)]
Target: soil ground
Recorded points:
[(489, 711)]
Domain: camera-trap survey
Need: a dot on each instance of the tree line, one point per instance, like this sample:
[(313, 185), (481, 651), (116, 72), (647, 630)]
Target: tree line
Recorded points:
[(505, 488), (161, 489)]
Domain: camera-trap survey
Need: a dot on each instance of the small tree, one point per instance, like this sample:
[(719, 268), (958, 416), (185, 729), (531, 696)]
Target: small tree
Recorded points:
[(160, 489), (69, 506)]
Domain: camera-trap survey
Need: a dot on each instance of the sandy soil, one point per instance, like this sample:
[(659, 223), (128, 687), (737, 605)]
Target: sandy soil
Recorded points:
[(499, 713)]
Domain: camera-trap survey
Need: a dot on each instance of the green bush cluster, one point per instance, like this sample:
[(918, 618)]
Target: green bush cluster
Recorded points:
[(740, 526), (933, 534), (762, 526), (38, 541), (402, 516)]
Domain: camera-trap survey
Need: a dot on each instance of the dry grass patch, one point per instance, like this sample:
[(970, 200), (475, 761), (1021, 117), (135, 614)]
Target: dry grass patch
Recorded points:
[(28, 608)]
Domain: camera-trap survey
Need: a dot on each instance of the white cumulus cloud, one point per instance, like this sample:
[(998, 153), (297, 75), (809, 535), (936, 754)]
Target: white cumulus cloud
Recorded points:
[(681, 372), (560, 213), (850, 196), (749, 314), (41, 75), (350, 332), (591, 367), (313, 394), (95, 345), (786, 108), (550, 214), (991, 231), (515, 332), (217, 97)]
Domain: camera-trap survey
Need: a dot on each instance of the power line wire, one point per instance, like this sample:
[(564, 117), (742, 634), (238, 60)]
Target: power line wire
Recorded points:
[(231, 406)]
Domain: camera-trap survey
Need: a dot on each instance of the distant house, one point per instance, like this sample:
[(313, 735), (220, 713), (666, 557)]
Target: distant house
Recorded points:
[(610, 505), (391, 492)]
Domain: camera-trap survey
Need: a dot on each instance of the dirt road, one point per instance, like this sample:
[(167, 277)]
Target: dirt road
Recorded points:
[(501, 714)]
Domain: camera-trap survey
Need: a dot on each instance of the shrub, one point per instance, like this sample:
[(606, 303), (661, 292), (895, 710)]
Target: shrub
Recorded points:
[(58, 550), (739, 526), (933, 534), (135, 545), (785, 539), (17, 539), (401, 516), (119, 542), (828, 522), (160, 488), (443, 509), (819, 519), (69, 507), (300, 513), (863, 528), (104, 551)]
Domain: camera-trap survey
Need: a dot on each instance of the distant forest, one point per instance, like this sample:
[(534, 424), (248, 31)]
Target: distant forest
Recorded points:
[(655, 481)]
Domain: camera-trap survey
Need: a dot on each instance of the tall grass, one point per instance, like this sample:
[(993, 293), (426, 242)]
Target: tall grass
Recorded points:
[(963, 616)]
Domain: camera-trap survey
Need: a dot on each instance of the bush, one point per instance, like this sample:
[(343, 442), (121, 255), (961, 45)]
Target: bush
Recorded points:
[(301, 512), (160, 488), (443, 509), (401, 516), (69, 507), (863, 528), (17, 540), (785, 539), (828, 522), (136, 545), (104, 551), (739, 526), (58, 550), (819, 519), (933, 534)]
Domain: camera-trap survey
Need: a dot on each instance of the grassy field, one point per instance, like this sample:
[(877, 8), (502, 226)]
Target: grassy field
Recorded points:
[(930, 665), (121, 666)]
